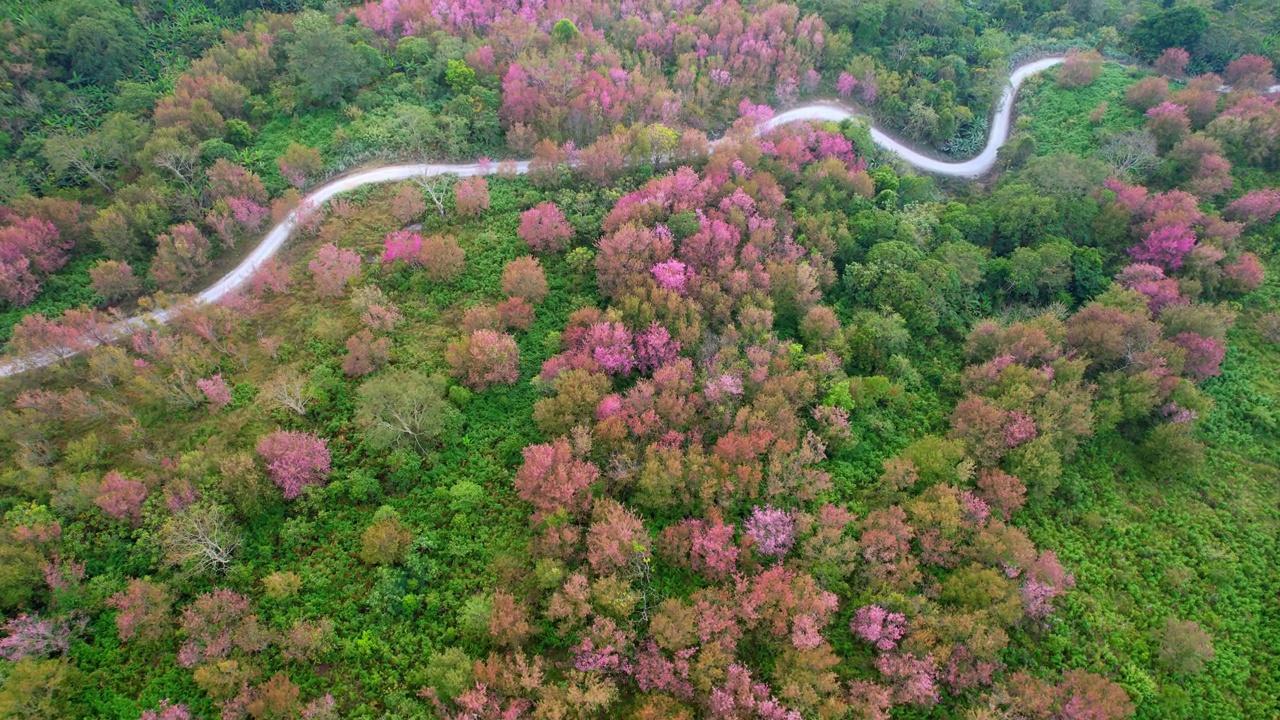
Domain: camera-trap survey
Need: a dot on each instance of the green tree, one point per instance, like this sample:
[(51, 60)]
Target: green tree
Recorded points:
[(1178, 27), (326, 60), (100, 40), (38, 690), (404, 409)]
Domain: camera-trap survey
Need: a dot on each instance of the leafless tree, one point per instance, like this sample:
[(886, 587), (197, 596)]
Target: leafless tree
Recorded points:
[(1128, 152), (201, 538), (288, 390), (437, 188)]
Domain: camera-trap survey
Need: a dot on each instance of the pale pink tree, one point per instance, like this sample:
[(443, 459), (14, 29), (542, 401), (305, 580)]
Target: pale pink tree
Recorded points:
[(407, 204), (216, 391), (1204, 355), (1168, 122), (1245, 272), (296, 460), (144, 611), (113, 280), (1173, 62), (545, 228), (878, 626), (471, 196), (182, 254), (1250, 72), (772, 529), (365, 354), (30, 636), (167, 711), (524, 278), (1257, 207), (332, 269)]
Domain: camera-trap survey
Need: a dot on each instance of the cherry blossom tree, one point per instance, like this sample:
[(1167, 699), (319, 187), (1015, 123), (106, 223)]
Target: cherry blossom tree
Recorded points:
[(523, 278), (1245, 272), (1168, 122), (216, 391), (1080, 69), (1250, 72), (471, 196), (121, 498), (30, 248), (332, 268), (545, 228), (773, 530), (167, 710), (30, 636), (1165, 246), (407, 204), (365, 354), (1173, 62), (144, 611), (299, 163), (552, 479), (295, 460), (1204, 355), (484, 358), (878, 626), (1257, 207)]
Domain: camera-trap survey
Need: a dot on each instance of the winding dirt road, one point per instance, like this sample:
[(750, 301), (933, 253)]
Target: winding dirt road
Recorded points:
[(821, 112)]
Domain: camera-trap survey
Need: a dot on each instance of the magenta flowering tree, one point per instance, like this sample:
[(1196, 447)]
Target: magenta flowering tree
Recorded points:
[(1150, 280), (332, 269), (403, 245), (121, 498), (772, 529), (879, 627), (1204, 355), (295, 460), (671, 275), (545, 228), (610, 344), (1165, 246), (216, 391), (845, 84), (655, 348)]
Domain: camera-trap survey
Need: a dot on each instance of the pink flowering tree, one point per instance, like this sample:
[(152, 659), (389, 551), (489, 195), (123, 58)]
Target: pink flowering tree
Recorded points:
[(610, 344), (403, 245), (773, 530), (545, 228), (655, 348), (1258, 207), (296, 460), (182, 254), (121, 498), (299, 163), (1042, 582), (30, 249), (216, 391), (1245, 272), (1204, 355), (878, 626), (332, 268), (1165, 246), (671, 275), (1250, 72), (1173, 62), (144, 611), (471, 197), (1168, 123), (407, 204), (484, 358), (553, 479), (30, 636), (845, 84), (914, 680)]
